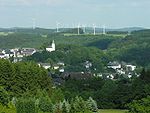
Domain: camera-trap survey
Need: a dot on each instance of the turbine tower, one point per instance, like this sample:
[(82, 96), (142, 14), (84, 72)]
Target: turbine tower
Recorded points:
[(78, 29), (104, 29), (94, 29), (84, 29), (33, 23), (57, 26)]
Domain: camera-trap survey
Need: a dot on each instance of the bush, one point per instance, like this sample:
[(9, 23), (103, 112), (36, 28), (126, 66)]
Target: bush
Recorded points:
[(58, 108), (78, 105), (4, 97), (45, 105), (91, 104), (140, 106), (66, 107), (26, 106)]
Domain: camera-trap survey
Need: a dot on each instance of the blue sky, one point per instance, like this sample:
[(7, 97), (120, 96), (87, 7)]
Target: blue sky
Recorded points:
[(112, 13)]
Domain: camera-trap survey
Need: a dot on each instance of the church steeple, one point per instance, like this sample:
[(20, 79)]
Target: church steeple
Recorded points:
[(52, 47)]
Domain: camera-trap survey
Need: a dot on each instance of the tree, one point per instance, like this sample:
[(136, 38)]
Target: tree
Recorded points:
[(91, 104), (140, 106)]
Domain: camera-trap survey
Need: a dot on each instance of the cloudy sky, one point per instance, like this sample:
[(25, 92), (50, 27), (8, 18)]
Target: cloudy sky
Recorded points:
[(112, 13)]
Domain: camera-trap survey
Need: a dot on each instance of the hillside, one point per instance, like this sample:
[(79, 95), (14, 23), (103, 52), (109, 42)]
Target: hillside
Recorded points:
[(36, 40), (133, 48)]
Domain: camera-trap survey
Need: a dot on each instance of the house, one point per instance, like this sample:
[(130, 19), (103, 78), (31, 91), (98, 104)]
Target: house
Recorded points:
[(114, 65), (61, 63), (87, 64), (76, 75), (2, 55), (51, 48), (131, 67), (8, 53), (61, 70), (44, 65), (27, 51), (56, 67), (120, 71)]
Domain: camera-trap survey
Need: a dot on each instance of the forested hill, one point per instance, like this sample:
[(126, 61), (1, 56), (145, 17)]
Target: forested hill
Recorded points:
[(28, 37), (133, 48)]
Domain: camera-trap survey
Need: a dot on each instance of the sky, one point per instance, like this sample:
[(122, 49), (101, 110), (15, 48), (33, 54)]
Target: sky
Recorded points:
[(70, 13)]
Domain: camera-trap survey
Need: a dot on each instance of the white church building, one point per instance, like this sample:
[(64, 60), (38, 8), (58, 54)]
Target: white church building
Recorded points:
[(52, 47)]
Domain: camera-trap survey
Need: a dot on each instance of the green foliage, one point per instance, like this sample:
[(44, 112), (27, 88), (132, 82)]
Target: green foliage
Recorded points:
[(23, 79), (57, 95), (26, 106), (45, 105), (4, 97), (7, 109), (91, 104), (78, 105), (66, 107), (140, 106), (7, 74)]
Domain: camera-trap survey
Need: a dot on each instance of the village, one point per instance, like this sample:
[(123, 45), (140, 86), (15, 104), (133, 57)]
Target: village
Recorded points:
[(57, 71)]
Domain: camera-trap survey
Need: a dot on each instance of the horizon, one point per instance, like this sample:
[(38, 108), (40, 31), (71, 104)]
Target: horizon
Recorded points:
[(46, 13), (91, 27)]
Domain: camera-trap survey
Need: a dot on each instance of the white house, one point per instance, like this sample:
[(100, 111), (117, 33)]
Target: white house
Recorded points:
[(132, 67), (51, 48), (61, 70), (56, 67), (114, 65), (120, 71), (44, 65)]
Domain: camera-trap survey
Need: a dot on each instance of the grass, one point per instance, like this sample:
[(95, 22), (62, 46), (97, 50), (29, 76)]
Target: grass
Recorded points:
[(112, 111), (5, 33), (97, 34)]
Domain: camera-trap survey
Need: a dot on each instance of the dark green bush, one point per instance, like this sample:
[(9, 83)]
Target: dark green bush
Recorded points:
[(45, 105), (26, 106)]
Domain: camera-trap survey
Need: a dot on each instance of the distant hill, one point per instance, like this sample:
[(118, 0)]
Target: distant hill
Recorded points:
[(48, 31), (133, 48), (28, 30), (100, 30)]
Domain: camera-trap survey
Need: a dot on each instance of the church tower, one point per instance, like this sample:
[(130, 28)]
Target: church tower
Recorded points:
[(53, 45)]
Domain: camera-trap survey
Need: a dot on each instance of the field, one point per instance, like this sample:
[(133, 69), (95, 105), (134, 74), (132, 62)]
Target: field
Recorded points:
[(112, 111)]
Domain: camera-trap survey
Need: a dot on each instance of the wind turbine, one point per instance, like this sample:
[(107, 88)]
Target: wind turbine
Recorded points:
[(33, 23), (57, 26), (104, 29), (78, 29), (94, 29), (84, 28)]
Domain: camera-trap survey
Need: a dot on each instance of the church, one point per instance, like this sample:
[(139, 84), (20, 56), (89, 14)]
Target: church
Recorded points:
[(51, 48)]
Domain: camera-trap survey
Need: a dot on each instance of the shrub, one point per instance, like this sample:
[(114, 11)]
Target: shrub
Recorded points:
[(57, 108), (91, 104), (66, 107), (140, 106), (45, 105), (26, 106), (4, 98)]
